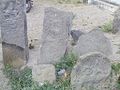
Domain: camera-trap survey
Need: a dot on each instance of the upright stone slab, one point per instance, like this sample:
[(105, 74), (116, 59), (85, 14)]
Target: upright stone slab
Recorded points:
[(92, 72), (94, 41), (14, 32), (116, 22), (57, 25)]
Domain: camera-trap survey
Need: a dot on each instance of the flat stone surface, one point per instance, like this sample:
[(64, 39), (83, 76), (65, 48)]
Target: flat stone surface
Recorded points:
[(44, 72), (13, 22), (94, 41), (91, 70), (56, 27)]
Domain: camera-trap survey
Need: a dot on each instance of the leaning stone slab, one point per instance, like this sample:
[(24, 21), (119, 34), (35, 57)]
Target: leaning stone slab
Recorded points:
[(116, 22), (91, 72), (57, 25), (94, 41), (44, 72), (14, 31)]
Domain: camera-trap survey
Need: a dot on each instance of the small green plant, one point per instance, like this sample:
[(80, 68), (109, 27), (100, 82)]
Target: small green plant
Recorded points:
[(19, 79), (118, 52), (118, 86), (67, 62), (116, 70), (107, 27), (22, 80)]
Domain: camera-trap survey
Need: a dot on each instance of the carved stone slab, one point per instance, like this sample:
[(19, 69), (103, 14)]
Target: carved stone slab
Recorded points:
[(14, 29)]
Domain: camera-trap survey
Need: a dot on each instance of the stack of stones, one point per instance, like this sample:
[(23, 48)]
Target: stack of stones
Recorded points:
[(93, 69)]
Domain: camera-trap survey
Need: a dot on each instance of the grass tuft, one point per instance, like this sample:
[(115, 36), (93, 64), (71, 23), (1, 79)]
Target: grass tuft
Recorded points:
[(107, 27), (18, 79)]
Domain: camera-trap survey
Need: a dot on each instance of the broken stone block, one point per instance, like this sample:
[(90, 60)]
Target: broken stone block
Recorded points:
[(14, 31), (91, 72), (57, 25), (44, 72)]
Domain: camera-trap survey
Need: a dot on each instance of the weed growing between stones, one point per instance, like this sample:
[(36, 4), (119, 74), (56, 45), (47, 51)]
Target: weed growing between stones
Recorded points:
[(118, 52), (67, 62), (116, 71), (22, 80), (18, 79), (116, 68), (107, 27)]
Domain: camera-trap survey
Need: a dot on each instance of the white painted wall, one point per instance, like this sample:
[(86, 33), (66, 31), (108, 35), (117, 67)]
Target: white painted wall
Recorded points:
[(107, 6), (90, 1), (115, 1)]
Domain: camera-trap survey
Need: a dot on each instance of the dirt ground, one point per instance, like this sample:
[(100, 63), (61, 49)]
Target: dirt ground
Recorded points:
[(87, 17)]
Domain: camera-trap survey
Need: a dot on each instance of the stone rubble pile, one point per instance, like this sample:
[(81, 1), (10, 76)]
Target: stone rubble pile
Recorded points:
[(93, 67)]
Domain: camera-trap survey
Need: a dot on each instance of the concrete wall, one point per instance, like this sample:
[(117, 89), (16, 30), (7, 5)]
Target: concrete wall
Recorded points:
[(107, 5)]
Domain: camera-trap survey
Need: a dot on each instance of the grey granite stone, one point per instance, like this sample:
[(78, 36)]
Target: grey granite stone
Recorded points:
[(14, 28), (56, 29), (91, 71)]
